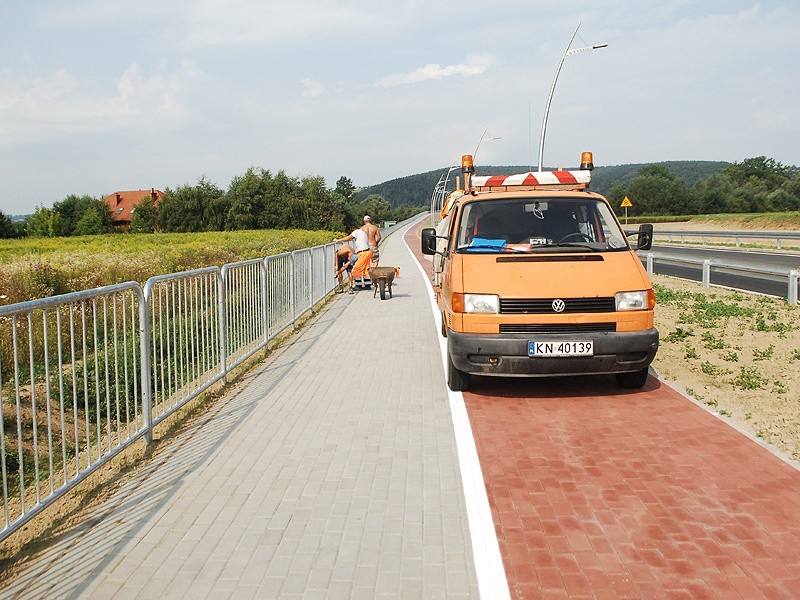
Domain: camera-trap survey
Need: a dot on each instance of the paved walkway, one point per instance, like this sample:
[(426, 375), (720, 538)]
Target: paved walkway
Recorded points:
[(331, 472)]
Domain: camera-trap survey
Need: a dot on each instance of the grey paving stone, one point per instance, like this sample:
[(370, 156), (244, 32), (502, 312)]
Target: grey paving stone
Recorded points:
[(315, 477)]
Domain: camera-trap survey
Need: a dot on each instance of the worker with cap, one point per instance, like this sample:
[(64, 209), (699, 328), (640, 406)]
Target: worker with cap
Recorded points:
[(373, 238), (362, 256)]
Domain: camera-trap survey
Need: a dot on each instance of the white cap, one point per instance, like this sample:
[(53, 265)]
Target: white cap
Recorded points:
[(366, 218)]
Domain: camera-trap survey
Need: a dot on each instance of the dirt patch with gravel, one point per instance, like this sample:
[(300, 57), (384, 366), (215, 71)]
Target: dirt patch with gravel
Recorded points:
[(736, 353)]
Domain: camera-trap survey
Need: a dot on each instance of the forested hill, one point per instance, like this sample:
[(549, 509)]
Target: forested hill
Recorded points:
[(416, 190)]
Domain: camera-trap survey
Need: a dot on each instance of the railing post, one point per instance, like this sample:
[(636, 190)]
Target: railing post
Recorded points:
[(265, 298), (223, 327), (310, 280), (779, 243), (649, 264), (706, 273), (292, 282), (794, 276), (145, 364)]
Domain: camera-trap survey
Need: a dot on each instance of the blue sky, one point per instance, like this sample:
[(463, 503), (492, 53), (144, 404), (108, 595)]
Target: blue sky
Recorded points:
[(105, 95)]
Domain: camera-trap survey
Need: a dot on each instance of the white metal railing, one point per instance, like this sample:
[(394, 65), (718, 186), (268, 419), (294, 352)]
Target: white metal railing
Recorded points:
[(83, 375), (73, 388), (187, 314), (708, 265), (778, 236)]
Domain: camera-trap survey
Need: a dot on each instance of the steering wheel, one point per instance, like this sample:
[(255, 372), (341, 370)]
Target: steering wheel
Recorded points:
[(577, 234)]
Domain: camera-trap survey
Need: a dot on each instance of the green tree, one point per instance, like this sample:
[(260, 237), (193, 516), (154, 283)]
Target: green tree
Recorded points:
[(7, 228), (655, 190), (344, 187), (376, 207), (282, 207), (190, 208), (145, 216), (792, 186), (325, 208), (246, 198), (760, 168), (44, 222), (712, 195), (71, 210), (783, 200)]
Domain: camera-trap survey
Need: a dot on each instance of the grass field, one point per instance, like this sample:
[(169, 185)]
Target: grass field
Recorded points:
[(33, 268)]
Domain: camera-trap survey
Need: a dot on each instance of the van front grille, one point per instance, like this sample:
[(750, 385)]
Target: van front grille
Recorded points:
[(516, 306), (560, 328)]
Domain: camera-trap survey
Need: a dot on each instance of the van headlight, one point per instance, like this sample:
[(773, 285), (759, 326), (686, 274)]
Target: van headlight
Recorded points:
[(477, 303), (632, 300)]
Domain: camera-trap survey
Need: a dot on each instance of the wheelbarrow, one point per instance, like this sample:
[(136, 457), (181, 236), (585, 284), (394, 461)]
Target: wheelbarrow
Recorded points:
[(382, 278)]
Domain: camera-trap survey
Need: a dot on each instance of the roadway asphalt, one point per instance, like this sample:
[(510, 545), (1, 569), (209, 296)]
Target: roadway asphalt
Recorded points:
[(772, 285)]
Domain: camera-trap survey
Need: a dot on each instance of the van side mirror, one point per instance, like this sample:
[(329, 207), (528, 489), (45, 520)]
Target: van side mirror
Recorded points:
[(645, 239), (429, 241)]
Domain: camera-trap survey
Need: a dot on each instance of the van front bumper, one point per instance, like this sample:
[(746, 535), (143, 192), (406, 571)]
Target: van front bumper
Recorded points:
[(507, 354)]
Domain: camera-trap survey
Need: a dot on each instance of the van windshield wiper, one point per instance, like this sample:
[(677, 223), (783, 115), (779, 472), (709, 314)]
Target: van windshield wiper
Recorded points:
[(575, 245)]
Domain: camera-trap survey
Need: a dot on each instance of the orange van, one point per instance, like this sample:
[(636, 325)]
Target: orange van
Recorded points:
[(534, 276)]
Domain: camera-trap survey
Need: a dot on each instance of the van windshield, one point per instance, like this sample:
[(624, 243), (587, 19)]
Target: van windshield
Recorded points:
[(539, 225)]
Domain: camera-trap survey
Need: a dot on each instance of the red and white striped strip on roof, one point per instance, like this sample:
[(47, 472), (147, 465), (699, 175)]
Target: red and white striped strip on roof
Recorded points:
[(538, 178)]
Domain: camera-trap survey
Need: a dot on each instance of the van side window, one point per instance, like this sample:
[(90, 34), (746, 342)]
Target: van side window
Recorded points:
[(454, 214)]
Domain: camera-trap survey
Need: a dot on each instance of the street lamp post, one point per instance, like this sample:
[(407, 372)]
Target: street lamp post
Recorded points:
[(483, 139), (567, 52), (440, 193)]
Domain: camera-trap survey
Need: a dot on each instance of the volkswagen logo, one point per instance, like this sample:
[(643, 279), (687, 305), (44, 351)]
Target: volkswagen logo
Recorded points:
[(558, 305)]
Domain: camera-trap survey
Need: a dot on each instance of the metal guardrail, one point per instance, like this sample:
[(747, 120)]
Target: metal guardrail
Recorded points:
[(792, 275), (778, 236), (84, 375)]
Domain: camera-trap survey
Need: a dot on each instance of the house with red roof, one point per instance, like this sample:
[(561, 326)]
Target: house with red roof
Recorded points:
[(122, 204)]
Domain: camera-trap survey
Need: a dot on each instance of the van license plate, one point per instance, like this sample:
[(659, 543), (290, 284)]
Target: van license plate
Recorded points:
[(560, 348)]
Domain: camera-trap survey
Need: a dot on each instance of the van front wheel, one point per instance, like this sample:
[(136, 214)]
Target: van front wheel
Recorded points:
[(633, 379), (457, 380)]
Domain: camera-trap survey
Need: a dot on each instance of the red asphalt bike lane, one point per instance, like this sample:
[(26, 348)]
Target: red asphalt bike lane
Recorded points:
[(598, 492)]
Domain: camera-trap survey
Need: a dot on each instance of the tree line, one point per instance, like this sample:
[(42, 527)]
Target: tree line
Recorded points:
[(755, 185), (258, 199)]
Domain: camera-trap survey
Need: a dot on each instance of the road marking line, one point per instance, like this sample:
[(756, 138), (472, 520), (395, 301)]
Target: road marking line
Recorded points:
[(492, 582)]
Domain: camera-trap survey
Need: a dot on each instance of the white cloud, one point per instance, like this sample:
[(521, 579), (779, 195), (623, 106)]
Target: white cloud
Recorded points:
[(231, 23), (311, 88), (36, 109), (473, 66), (17, 92), (163, 93)]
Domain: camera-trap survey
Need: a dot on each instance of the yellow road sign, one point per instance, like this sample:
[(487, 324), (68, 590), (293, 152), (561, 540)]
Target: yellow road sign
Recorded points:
[(626, 203)]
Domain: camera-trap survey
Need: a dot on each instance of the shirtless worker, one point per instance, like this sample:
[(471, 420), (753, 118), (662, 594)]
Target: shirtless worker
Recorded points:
[(373, 238), (343, 262)]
